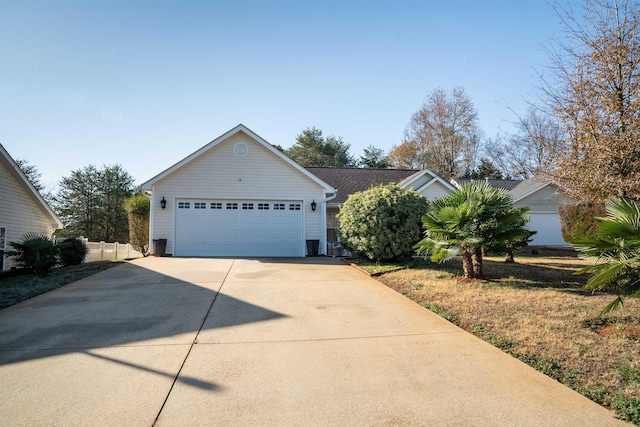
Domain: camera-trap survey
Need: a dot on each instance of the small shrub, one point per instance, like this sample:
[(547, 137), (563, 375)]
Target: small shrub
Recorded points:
[(577, 221), (138, 210), (382, 223), (72, 252), (35, 251)]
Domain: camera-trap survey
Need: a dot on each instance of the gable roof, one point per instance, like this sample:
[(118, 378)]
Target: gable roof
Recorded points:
[(14, 170), (529, 186), (434, 177), (238, 129), (353, 180)]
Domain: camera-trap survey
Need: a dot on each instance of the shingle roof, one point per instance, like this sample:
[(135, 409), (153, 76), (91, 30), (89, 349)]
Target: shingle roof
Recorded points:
[(352, 180), (507, 184), (528, 186)]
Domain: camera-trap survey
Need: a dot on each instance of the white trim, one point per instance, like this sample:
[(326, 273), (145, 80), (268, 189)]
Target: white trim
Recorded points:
[(240, 128), (31, 191), (535, 190), (435, 177)]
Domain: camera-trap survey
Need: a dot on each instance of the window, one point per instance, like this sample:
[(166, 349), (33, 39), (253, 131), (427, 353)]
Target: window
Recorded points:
[(247, 206), (184, 205), (278, 206), (232, 206), (294, 206), (216, 205), (263, 206), (200, 205)]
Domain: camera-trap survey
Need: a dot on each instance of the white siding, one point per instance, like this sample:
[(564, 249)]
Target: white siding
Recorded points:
[(421, 181), (219, 174), (434, 190), (544, 200), (19, 214)]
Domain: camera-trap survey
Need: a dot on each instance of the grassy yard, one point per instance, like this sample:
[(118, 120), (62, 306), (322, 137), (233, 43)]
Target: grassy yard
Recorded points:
[(18, 288), (537, 311)]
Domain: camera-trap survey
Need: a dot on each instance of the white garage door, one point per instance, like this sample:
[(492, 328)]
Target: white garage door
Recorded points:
[(239, 228), (547, 226)]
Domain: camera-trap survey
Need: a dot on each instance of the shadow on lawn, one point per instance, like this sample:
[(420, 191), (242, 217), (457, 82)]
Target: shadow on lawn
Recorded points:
[(526, 272)]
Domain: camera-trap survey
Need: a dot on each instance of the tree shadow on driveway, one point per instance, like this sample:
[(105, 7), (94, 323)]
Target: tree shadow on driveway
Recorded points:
[(127, 306)]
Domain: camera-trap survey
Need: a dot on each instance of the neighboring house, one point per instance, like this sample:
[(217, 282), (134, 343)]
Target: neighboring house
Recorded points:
[(23, 210), (543, 198), (238, 196)]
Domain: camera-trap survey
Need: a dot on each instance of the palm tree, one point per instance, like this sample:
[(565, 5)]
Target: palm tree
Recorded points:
[(35, 251), (471, 218), (615, 251)]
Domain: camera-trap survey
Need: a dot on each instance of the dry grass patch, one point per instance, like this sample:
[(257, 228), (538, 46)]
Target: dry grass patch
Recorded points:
[(538, 311)]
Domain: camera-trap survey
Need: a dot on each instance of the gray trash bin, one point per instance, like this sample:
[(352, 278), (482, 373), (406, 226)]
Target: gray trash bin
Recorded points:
[(159, 247)]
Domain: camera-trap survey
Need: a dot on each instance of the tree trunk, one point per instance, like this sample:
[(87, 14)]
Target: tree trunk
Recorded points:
[(467, 265), (509, 257), (477, 263)]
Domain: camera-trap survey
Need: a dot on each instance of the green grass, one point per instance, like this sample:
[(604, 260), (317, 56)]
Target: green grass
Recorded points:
[(18, 288)]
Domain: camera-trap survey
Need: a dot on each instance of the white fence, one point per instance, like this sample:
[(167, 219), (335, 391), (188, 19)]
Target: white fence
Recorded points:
[(101, 251)]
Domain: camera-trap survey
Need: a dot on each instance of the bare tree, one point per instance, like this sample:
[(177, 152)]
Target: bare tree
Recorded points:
[(533, 150), (443, 135), (594, 89)]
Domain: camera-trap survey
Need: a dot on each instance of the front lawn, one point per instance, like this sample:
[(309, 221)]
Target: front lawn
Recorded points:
[(537, 311), (18, 288)]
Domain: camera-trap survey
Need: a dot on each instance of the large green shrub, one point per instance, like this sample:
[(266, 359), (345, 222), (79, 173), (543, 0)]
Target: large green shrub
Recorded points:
[(578, 221), (138, 209), (382, 223), (34, 251), (72, 251)]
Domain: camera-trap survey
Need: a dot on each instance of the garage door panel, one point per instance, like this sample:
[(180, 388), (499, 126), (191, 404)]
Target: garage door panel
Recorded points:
[(254, 228), (548, 230)]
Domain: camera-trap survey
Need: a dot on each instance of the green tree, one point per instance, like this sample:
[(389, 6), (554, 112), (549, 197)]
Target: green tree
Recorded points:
[(138, 209), (90, 203), (486, 169), (382, 223), (313, 149), (374, 158), (470, 219), (615, 251)]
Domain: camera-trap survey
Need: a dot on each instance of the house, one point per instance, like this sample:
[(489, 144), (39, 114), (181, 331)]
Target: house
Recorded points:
[(238, 196), (352, 180), (23, 210), (543, 198)]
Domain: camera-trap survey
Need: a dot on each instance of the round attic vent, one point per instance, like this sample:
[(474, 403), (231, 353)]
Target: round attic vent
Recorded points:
[(240, 149)]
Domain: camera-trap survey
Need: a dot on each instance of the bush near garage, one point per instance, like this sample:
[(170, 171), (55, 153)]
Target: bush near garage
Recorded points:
[(72, 251), (577, 221), (382, 223)]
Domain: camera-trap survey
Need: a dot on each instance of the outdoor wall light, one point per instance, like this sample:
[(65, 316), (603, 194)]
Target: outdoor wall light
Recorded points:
[(163, 203), (313, 205)]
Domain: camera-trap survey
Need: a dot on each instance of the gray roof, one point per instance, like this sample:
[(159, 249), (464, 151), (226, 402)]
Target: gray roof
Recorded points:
[(528, 186), (352, 180)]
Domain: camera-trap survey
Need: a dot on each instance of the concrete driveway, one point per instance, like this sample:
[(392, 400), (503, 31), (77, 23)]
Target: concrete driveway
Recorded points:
[(180, 341)]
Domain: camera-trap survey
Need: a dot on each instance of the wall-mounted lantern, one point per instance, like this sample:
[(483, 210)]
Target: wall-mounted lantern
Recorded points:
[(163, 203), (313, 205)]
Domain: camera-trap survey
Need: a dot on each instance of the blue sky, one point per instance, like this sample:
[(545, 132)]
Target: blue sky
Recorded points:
[(146, 83)]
